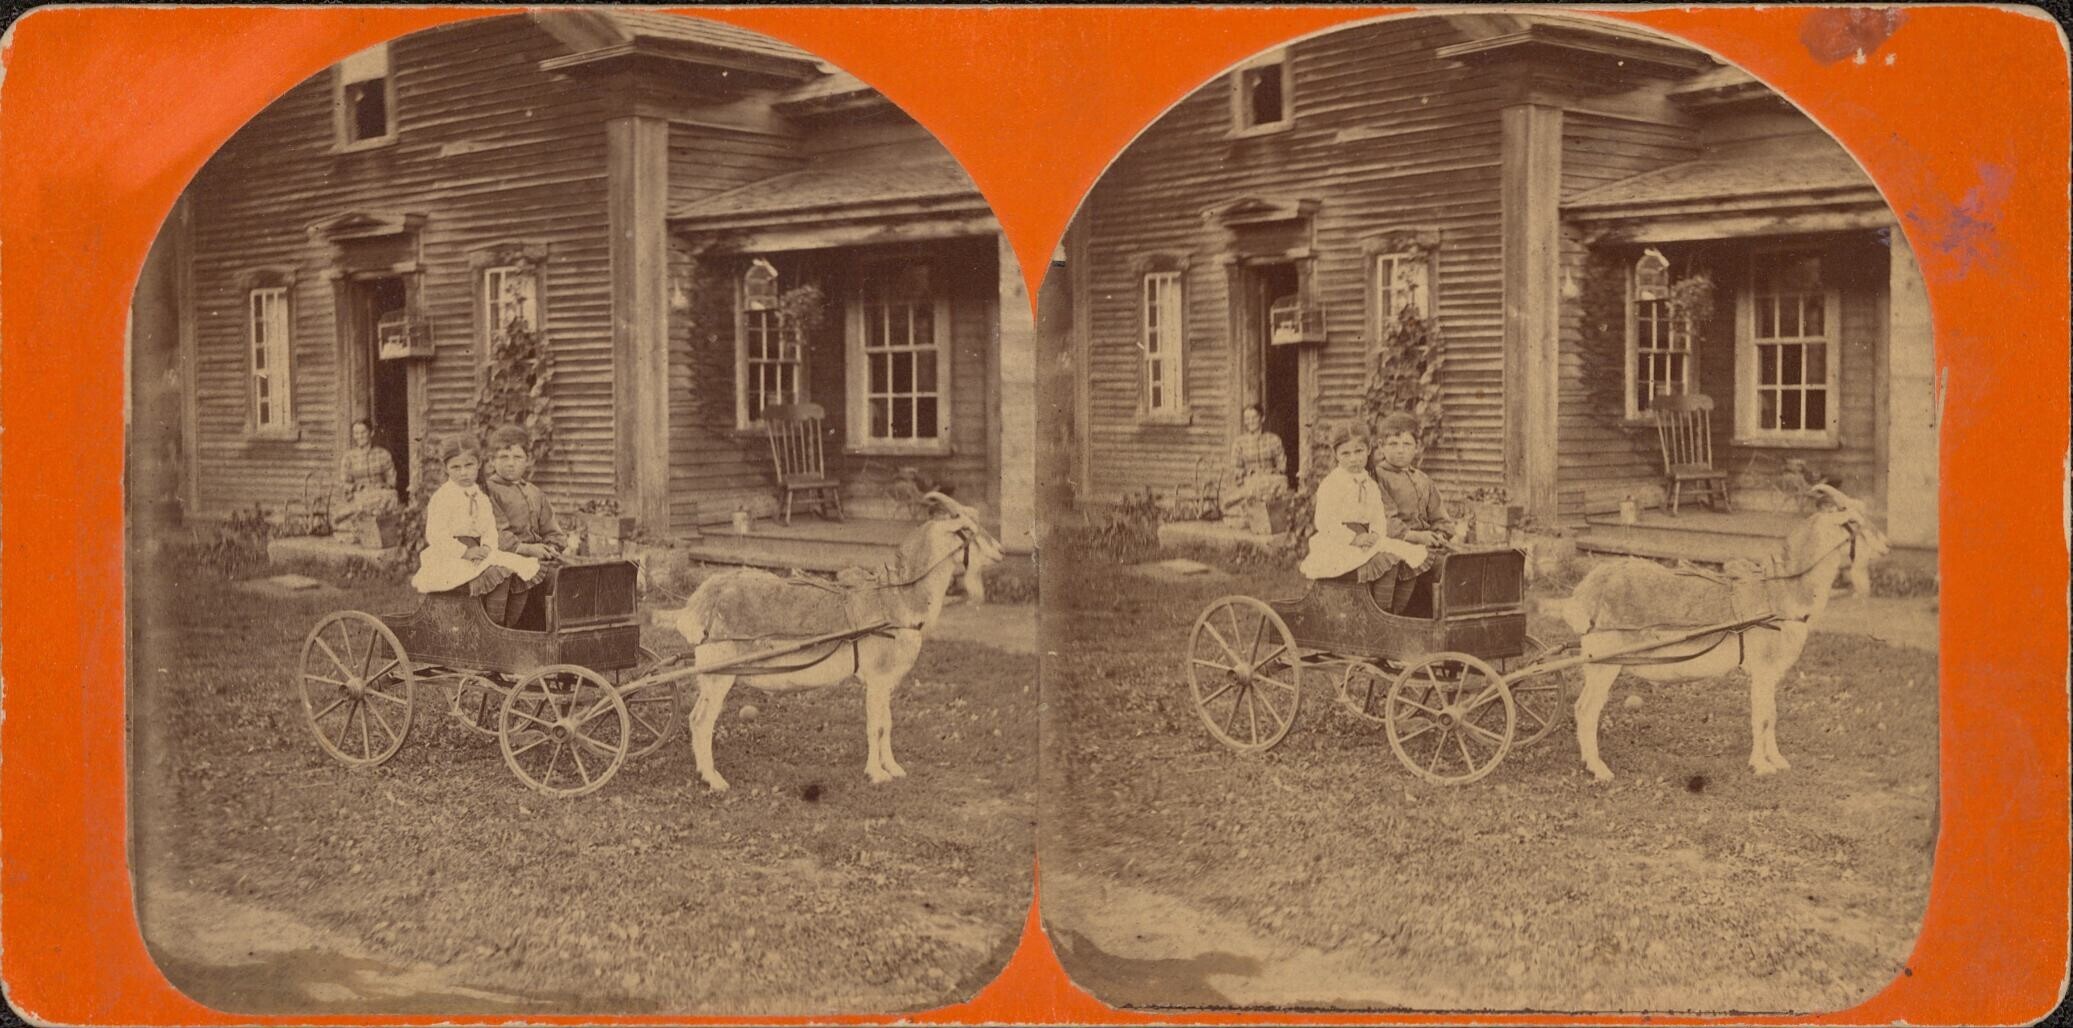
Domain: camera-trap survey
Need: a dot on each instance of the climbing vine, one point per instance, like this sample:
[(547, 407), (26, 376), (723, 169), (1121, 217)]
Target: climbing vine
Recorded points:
[(512, 389), (1691, 301), (1406, 375)]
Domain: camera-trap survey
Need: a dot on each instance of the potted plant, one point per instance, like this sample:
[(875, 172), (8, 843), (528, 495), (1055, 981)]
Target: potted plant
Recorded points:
[(601, 529), (1491, 515)]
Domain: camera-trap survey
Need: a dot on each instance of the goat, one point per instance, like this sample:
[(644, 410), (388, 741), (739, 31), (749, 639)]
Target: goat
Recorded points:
[(736, 613), (1621, 606)]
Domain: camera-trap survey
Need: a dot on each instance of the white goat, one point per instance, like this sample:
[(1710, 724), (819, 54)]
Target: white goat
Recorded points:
[(737, 613), (1617, 606)]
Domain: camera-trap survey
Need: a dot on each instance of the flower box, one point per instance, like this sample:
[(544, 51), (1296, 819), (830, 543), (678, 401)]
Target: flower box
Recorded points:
[(604, 534)]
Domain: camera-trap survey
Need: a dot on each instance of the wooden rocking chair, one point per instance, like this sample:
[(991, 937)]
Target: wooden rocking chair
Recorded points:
[(794, 430), (1685, 426)]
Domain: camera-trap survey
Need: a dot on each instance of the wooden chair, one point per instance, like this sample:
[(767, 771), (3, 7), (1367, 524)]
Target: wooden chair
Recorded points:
[(794, 430), (1684, 424)]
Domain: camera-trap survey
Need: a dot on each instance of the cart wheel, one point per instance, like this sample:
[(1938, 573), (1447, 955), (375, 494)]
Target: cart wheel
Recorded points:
[(1541, 700), (1450, 718), (476, 700), (1363, 688), (1245, 673), (357, 688), (556, 717), (656, 712)]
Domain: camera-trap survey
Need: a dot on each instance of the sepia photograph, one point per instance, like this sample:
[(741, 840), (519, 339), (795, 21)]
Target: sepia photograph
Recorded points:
[(565, 445), (1490, 538)]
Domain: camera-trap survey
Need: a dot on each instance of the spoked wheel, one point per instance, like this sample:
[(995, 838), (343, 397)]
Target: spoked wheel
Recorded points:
[(1245, 673), (1450, 718), (656, 712), (564, 730), (357, 688), (1363, 690), (475, 702), (1541, 700)]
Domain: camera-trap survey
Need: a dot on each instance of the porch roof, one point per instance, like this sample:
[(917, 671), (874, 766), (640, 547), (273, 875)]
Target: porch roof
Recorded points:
[(844, 204), (1740, 193)]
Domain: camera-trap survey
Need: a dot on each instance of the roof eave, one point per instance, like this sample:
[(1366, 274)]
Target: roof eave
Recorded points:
[(960, 202), (1580, 41), (755, 68), (1583, 208)]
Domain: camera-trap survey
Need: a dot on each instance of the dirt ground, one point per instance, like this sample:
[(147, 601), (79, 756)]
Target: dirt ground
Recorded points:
[(1177, 873), (271, 879)]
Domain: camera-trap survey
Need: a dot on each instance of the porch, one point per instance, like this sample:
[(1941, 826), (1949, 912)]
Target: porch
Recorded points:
[(809, 543), (1700, 536)]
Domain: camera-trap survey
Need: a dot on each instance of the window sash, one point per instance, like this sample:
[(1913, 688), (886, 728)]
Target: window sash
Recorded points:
[(508, 292), (899, 370), (1162, 342), (1245, 85), (769, 365), (270, 385), (1787, 351), (1660, 358), (1397, 279), (364, 77)]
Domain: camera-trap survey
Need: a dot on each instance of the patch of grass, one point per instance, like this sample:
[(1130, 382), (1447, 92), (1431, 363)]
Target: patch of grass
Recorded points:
[(1013, 580), (1536, 887), (1905, 573), (804, 887)]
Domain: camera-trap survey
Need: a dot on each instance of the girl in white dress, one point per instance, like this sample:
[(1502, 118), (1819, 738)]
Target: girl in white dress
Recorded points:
[(461, 530), (1352, 520)]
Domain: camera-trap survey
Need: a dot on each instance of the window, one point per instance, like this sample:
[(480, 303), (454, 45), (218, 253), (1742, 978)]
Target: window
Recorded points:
[(1400, 279), (1659, 345), (899, 368), (364, 99), (1161, 344), (1260, 95), (267, 317), (510, 300), (769, 359), (1786, 352)]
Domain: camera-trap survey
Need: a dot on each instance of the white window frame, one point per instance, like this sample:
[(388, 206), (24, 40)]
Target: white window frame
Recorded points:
[(1636, 353), (491, 307), (858, 378), (269, 360), (368, 65), (1241, 95), (1162, 345), (1387, 270), (750, 366), (1748, 431)]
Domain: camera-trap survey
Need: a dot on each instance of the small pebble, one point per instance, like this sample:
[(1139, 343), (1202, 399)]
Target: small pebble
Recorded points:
[(749, 710), (1631, 702)]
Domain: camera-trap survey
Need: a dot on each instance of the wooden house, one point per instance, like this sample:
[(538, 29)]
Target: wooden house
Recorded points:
[(1544, 192), (636, 188)]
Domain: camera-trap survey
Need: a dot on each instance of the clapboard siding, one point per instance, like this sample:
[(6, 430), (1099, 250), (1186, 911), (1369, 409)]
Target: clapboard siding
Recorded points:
[(712, 470), (490, 149), (1386, 136), (1600, 459)]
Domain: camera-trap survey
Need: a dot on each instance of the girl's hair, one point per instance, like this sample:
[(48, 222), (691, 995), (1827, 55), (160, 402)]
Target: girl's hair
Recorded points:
[(1398, 423), (1347, 431), (454, 445)]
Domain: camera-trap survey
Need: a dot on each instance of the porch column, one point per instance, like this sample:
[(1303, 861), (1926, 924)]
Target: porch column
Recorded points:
[(1530, 182), (637, 184), (1014, 426), (1911, 433)]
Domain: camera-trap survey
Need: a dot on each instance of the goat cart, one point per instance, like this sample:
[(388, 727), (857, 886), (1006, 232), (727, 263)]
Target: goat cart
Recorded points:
[(568, 691), (1454, 680)]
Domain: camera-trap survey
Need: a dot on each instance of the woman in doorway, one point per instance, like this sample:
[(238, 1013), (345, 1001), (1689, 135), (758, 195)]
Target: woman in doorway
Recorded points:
[(1259, 473), (366, 481)]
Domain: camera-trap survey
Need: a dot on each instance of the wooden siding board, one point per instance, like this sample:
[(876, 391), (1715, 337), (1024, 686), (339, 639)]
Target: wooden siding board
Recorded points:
[(540, 181)]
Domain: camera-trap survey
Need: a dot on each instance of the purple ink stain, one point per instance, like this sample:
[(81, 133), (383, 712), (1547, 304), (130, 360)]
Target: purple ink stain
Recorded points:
[(1832, 34), (1963, 234)]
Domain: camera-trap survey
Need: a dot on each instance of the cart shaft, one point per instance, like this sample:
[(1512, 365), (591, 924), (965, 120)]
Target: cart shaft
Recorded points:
[(1579, 660), (756, 657)]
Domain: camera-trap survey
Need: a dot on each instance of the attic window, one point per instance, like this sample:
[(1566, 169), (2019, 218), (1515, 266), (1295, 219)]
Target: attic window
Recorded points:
[(365, 99), (1260, 95)]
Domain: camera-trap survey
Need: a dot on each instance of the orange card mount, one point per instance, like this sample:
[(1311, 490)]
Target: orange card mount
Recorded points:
[(1960, 114)]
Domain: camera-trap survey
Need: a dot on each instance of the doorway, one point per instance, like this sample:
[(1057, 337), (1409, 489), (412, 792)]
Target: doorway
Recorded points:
[(1277, 370), (385, 397)]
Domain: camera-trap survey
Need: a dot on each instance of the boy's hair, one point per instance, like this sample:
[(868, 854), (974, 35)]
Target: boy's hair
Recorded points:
[(454, 445), (1397, 424), (509, 435)]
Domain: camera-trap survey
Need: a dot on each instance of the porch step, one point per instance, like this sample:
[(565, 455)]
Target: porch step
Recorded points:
[(1698, 547), (809, 544)]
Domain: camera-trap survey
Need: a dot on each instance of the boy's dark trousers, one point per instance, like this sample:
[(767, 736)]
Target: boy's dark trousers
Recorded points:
[(506, 603), (1397, 585)]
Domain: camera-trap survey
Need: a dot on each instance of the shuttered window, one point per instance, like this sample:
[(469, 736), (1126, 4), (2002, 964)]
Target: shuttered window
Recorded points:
[(267, 322), (1786, 354), (1161, 344), (899, 366)]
